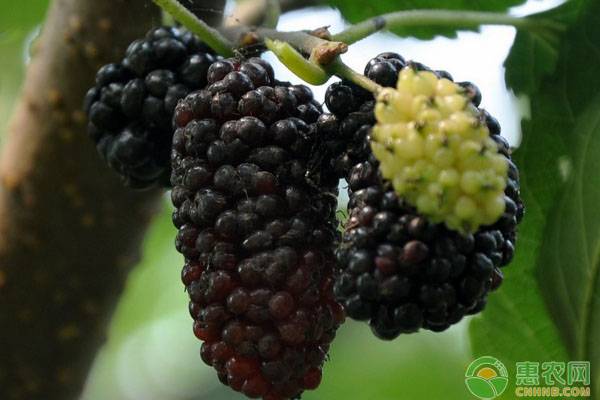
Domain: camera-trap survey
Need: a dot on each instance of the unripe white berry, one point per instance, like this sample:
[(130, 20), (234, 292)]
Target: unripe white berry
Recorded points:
[(436, 152)]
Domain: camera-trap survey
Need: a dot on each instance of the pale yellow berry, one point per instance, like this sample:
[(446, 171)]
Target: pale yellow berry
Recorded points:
[(470, 182), (405, 80), (414, 146), (443, 158), (425, 84), (451, 103), (449, 177), (433, 142), (419, 104), (427, 204), (494, 206), (455, 223), (465, 208), (435, 190), (463, 122), (429, 115), (401, 185), (445, 87), (499, 164), (388, 106), (411, 173), (469, 148), (438, 156)]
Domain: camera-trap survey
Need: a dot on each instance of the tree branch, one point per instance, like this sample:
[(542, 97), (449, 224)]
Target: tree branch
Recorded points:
[(452, 18), (69, 231)]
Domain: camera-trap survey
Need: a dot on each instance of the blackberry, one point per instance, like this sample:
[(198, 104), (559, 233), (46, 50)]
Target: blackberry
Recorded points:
[(257, 229), (397, 268), (131, 106)]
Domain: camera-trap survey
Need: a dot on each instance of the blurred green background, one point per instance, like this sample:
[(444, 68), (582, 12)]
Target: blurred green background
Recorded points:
[(152, 353)]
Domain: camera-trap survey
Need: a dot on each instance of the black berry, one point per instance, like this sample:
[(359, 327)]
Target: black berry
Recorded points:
[(131, 107), (398, 270)]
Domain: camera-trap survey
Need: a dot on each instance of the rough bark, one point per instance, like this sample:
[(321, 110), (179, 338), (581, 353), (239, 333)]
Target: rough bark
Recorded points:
[(69, 231)]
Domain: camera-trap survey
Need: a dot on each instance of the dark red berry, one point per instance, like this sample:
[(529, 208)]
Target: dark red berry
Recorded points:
[(312, 379), (257, 228)]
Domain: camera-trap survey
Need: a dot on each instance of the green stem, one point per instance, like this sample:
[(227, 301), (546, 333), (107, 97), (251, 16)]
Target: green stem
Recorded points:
[(304, 69), (465, 19), (340, 69), (210, 36)]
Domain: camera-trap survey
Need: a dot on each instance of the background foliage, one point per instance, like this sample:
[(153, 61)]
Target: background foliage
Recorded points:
[(548, 308)]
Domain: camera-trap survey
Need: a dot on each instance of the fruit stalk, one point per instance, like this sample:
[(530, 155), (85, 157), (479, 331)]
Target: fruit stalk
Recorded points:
[(310, 72), (345, 72)]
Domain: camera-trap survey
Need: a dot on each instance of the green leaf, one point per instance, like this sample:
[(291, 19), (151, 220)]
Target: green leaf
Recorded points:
[(357, 11), (537, 58), (549, 307), (535, 54), (569, 262)]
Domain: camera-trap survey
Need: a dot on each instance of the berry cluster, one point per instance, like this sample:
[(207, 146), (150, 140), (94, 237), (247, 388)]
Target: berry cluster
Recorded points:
[(254, 166), (398, 269), (257, 233), (131, 107)]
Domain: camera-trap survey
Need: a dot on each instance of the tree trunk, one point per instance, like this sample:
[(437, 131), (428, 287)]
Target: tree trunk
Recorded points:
[(69, 231)]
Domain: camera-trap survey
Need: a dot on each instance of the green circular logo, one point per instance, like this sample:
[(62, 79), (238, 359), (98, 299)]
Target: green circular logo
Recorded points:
[(486, 378)]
